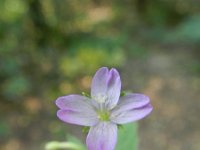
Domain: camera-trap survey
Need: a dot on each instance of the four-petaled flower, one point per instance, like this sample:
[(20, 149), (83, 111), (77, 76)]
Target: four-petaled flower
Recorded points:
[(104, 110)]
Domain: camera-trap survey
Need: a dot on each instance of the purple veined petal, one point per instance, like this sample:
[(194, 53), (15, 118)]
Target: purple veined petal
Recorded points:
[(103, 136), (122, 117), (99, 82), (131, 101), (78, 118), (106, 86), (76, 109), (114, 88), (74, 102)]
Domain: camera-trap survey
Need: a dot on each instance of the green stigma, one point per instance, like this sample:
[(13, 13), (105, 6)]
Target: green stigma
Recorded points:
[(104, 115)]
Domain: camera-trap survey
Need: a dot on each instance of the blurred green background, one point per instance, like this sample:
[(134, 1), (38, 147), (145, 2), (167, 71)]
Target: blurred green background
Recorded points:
[(50, 48)]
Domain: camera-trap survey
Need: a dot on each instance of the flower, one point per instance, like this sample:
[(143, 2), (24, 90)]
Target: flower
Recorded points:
[(104, 110)]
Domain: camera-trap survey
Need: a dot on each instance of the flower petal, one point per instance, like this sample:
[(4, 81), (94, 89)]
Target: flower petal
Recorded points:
[(74, 102), (99, 82), (76, 109), (103, 136), (121, 117), (131, 101), (77, 118), (106, 86)]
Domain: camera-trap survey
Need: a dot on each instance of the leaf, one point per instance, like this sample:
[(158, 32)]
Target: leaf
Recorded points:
[(72, 143), (127, 137), (76, 141)]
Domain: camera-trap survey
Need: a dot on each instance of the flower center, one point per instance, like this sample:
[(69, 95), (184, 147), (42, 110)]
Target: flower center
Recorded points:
[(103, 115)]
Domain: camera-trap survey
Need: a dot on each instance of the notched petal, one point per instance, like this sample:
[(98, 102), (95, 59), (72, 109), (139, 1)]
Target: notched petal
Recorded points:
[(113, 88), (103, 136), (74, 102), (99, 80), (122, 117), (131, 101), (106, 86), (76, 109), (72, 117)]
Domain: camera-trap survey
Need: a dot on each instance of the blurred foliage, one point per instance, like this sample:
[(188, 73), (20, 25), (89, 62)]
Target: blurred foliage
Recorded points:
[(47, 42), (4, 129), (42, 45), (187, 32), (128, 132), (50, 48)]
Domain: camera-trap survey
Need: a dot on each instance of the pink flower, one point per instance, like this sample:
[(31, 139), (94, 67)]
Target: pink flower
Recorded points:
[(104, 110)]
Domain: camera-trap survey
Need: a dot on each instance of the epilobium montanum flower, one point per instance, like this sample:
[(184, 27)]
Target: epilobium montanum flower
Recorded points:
[(104, 110)]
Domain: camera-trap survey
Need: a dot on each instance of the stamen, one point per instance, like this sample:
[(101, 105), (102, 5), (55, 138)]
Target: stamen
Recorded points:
[(101, 98)]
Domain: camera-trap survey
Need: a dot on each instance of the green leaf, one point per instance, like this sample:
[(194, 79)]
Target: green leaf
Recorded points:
[(77, 141), (127, 137), (72, 143)]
